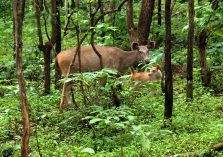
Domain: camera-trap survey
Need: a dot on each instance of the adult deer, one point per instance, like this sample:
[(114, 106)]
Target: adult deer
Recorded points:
[(112, 57)]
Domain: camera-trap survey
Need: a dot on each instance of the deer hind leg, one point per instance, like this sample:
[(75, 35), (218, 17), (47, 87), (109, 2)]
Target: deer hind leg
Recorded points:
[(103, 81), (68, 94), (154, 92), (66, 98), (114, 95)]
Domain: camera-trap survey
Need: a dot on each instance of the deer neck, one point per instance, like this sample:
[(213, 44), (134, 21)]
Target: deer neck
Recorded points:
[(128, 59)]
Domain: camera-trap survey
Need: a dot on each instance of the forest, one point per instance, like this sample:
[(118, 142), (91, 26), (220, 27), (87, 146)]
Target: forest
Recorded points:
[(109, 78)]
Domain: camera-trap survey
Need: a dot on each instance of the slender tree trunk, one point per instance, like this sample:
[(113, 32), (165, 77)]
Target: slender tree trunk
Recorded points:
[(205, 73), (38, 24), (18, 10), (66, 11), (190, 50), (102, 19), (112, 19), (58, 45), (159, 13), (145, 20), (47, 79), (14, 45), (215, 4), (168, 69), (131, 29)]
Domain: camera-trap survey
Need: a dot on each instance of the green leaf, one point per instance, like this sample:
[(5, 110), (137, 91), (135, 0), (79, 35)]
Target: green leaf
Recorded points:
[(185, 28), (136, 127), (110, 71), (70, 2), (100, 25), (87, 117), (95, 120), (218, 33), (121, 125), (107, 121), (88, 150), (131, 118), (166, 131)]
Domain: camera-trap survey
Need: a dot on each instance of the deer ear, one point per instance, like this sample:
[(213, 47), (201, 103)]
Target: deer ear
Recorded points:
[(135, 46), (158, 67), (151, 45)]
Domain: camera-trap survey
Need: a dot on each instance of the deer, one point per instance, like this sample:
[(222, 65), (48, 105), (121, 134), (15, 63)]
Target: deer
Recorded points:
[(112, 57), (154, 74)]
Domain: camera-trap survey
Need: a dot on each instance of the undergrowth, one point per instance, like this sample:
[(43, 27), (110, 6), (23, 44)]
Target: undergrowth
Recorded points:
[(98, 129)]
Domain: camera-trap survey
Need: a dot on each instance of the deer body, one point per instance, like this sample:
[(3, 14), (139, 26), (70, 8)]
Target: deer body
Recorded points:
[(111, 57)]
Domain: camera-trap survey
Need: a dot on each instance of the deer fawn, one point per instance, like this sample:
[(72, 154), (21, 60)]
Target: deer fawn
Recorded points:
[(154, 74)]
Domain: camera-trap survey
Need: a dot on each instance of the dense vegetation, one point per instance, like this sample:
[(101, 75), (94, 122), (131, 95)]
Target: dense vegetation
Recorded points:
[(97, 128)]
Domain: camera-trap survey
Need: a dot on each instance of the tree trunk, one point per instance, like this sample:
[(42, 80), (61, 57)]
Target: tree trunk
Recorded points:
[(18, 10), (132, 31), (159, 13), (112, 19), (14, 45), (58, 44), (46, 56), (215, 4), (167, 67), (190, 50), (102, 19), (159, 39), (145, 20), (205, 73)]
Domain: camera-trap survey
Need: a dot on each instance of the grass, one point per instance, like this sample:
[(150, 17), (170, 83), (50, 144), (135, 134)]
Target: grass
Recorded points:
[(196, 125)]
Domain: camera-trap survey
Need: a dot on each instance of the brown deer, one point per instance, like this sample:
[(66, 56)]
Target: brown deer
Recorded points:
[(154, 74), (112, 57)]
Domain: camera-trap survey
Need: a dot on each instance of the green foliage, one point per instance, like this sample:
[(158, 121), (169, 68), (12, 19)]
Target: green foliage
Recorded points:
[(6, 10), (132, 129)]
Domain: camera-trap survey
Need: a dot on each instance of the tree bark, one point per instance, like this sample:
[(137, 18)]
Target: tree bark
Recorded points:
[(131, 29), (112, 19), (18, 11), (167, 66), (14, 45), (102, 19), (38, 24), (205, 72), (159, 13), (145, 20), (215, 4), (58, 44), (190, 50)]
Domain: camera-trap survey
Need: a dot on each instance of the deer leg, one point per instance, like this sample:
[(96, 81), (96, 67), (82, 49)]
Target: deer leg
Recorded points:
[(103, 81), (65, 99), (115, 99), (154, 92), (68, 94), (73, 99)]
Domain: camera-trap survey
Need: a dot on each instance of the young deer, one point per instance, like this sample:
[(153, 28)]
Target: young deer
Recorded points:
[(154, 74)]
